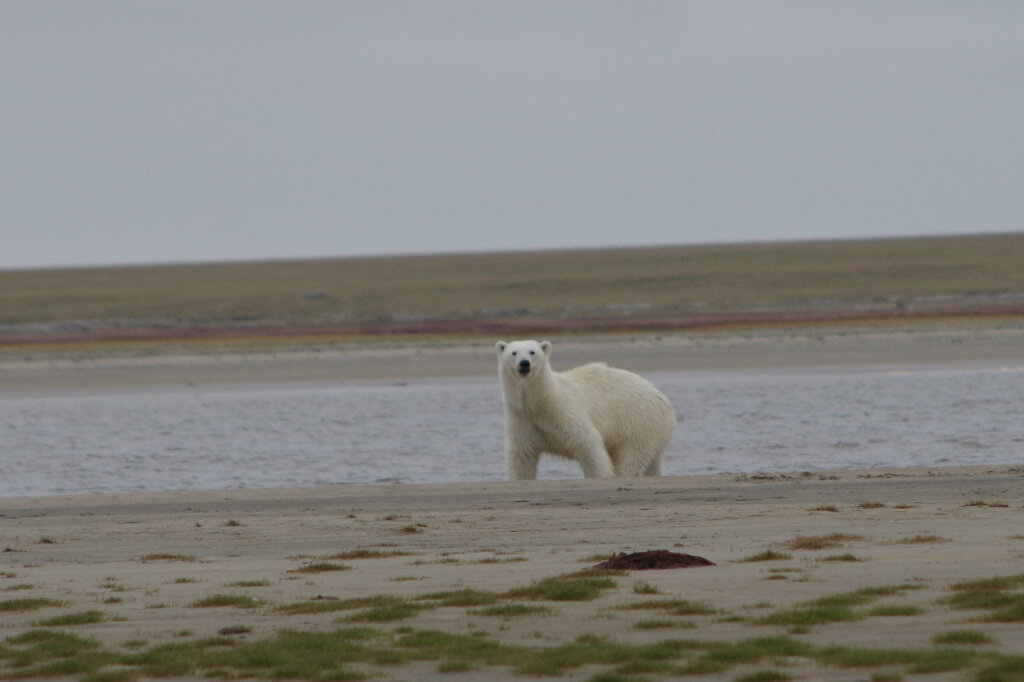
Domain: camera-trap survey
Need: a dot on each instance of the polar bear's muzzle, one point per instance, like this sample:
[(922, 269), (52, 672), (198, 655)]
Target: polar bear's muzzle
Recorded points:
[(523, 366)]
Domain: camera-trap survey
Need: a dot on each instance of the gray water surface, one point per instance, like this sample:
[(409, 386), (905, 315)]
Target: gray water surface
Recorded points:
[(452, 430)]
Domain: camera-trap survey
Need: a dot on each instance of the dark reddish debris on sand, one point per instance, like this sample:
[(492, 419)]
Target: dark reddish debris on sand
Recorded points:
[(655, 558)]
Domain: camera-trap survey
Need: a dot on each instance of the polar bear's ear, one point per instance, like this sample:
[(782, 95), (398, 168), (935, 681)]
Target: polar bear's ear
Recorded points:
[(500, 347), (546, 347)]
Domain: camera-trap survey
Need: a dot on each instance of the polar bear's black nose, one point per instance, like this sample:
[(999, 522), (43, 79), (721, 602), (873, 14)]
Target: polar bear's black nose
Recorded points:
[(524, 366)]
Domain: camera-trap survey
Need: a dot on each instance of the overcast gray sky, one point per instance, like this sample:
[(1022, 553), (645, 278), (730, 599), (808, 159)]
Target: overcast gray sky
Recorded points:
[(140, 131)]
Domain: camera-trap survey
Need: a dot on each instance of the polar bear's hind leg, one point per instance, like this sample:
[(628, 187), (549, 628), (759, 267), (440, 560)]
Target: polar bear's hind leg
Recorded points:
[(633, 461)]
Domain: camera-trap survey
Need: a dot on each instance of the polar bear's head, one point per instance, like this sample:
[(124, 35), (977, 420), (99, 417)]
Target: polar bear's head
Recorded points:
[(522, 358)]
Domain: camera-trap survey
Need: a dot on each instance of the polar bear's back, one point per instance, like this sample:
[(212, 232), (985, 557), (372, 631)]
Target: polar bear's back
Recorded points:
[(624, 403), (599, 376)]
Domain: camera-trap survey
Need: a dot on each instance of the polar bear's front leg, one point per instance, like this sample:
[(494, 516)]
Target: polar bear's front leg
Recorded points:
[(522, 467), (596, 464), (593, 458), (521, 458)]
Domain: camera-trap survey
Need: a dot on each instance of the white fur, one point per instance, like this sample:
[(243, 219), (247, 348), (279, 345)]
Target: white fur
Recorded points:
[(612, 422)]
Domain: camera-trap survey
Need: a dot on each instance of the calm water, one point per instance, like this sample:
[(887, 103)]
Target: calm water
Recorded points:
[(442, 431)]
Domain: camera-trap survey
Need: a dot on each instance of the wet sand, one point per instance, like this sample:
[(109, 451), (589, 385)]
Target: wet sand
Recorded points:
[(146, 561)]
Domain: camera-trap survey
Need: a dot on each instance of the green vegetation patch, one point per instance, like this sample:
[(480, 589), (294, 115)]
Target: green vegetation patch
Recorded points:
[(468, 650), (767, 555), (835, 608), (579, 586), (379, 608), (662, 624), (320, 567), (965, 637), (48, 653), (591, 650), (840, 558), (335, 655), (80, 618), (288, 655), (242, 583), (14, 605), (1000, 596), (240, 601), (511, 610), (466, 597), (719, 658), (816, 542), (812, 615), (166, 556), (893, 610)]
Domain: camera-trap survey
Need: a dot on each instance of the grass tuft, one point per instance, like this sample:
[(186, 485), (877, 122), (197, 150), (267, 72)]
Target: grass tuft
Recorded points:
[(832, 608), (840, 557), (380, 608), (320, 567), (80, 618), (466, 597), (14, 605), (662, 624), (895, 611), (767, 555), (166, 556), (814, 615), (580, 586), (240, 601), (967, 637), (816, 542)]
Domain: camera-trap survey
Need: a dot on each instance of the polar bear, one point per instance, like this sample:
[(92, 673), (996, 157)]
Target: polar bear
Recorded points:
[(610, 421)]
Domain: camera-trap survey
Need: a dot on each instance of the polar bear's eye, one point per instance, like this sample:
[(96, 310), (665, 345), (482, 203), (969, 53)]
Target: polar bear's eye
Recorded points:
[(515, 353), (533, 352)]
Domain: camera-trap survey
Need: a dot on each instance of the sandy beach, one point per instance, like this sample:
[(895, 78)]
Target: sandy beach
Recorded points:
[(841, 575), (904, 538)]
